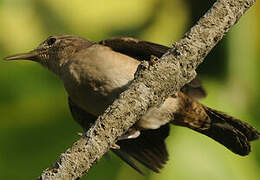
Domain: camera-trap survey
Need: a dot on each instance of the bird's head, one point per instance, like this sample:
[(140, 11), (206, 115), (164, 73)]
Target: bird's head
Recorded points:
[(54, 52)]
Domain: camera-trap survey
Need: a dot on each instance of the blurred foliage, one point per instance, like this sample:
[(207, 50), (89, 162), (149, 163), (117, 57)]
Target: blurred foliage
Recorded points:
[(36, 125)]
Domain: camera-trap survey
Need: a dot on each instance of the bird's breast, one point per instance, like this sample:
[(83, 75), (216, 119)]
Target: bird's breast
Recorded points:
[(93, 82)]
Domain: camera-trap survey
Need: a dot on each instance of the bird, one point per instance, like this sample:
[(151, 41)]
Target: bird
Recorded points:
[(95, 73)]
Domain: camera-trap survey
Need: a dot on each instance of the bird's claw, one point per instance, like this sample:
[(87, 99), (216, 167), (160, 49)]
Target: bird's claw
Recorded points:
[(130, 134), (115, 146)]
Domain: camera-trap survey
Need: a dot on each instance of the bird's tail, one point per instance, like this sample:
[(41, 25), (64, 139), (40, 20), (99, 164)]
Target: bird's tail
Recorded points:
[(227, 130)]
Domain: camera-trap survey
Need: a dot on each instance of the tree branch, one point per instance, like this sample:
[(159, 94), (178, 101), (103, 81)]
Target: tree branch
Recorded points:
[(152, 85)]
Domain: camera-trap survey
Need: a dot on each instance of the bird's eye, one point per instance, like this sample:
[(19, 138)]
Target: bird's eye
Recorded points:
[(51, 41)]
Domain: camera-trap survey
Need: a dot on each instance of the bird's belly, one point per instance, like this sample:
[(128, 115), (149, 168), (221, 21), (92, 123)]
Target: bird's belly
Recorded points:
[(155, 117)]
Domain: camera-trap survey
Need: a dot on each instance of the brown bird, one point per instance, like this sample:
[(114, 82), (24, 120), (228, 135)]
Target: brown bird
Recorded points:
[(94, 74)]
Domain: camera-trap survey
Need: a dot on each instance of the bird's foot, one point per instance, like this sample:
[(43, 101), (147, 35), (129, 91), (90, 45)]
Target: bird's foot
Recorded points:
[(130, 134), (80, 134), (115, 146)]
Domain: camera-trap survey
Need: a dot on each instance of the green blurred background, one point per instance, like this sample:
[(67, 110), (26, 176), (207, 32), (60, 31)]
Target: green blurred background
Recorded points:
[(36, 125)]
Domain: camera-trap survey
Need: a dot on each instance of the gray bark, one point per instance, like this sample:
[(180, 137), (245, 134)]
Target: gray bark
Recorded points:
[(152, 85)]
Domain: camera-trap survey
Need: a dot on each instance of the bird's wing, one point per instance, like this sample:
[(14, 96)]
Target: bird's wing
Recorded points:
[(138, 49), (143, 50), (149, 148)]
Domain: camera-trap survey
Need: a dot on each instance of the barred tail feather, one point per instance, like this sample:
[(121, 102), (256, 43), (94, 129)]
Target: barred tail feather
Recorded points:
[(233, 133)]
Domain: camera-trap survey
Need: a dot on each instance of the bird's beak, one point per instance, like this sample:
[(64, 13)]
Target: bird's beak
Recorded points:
[(32, 55)]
